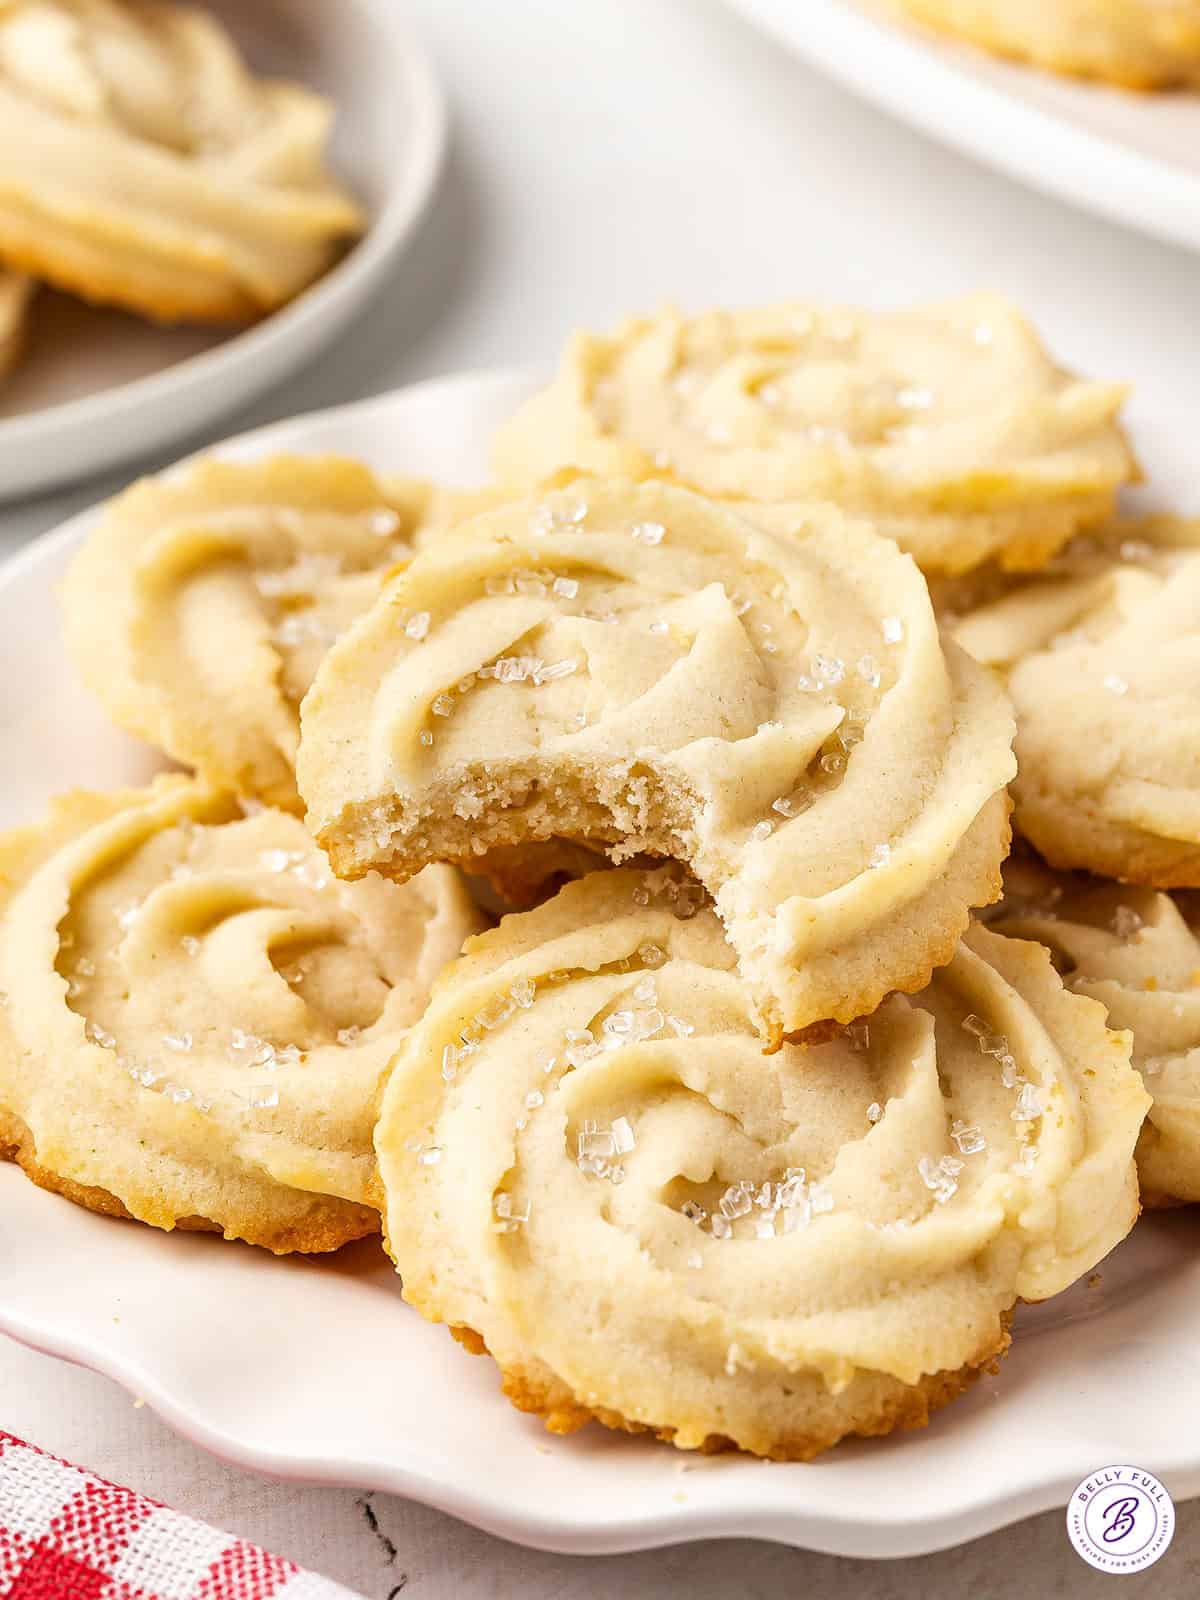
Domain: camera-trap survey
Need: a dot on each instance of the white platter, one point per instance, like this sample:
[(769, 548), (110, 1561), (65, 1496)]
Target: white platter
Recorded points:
[(1133, 158), (317, 1370), (95, 388)]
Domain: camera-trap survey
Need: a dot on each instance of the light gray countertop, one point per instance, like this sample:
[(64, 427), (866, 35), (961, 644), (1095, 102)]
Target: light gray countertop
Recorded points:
[(607, 155)]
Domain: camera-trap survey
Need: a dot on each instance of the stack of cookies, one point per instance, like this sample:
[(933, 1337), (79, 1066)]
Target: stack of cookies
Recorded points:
[(742, 1128), (144, 165)]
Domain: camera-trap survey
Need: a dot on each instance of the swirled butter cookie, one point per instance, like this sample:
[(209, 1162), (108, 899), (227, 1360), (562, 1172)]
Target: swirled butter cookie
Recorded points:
[(591, 1171), (634, 667), (1138, 44), (949, 426), (1101, 656), (196, 1015), (143, 165), (1137, 951), (15, 294), (199, 609)]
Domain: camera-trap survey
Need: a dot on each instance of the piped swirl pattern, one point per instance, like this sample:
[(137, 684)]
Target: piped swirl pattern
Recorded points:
[(632, 666), (948, 425), (1137, 952), (142, 164), (200, 608), (197, 1016), (1101, 656), (591, 1171)]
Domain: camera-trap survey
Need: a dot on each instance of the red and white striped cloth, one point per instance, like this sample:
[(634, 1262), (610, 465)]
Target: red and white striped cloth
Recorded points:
[(67, 1535)]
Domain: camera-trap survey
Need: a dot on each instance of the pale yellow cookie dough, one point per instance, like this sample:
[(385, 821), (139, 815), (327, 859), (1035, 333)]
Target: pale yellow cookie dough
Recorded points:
[(634, 667), (948, 425), (590, 1170), (1137, 951), (16, 292), (1101, 655), (143, 165), (196, 1016), (1138, 44), (199, 609)]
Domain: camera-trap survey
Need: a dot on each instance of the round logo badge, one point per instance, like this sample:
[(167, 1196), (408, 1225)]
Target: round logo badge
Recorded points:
[(1120, 1519)]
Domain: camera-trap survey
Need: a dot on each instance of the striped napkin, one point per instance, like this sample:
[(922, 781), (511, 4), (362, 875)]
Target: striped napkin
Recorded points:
[(67, 1535)]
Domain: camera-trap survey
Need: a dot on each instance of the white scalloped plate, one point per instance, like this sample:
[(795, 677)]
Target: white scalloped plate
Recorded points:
[(315, 1369), (96, 387), (1133, 158)]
